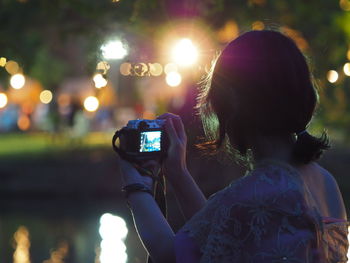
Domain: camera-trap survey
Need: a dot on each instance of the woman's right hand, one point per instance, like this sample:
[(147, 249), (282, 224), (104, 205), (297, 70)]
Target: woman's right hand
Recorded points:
[(174, 165)]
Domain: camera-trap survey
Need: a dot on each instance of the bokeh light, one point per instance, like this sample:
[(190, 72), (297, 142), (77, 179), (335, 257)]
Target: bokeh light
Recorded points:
[(100, 81), (114, 49), (2, 62), (173, 79), (113, 231), (46, 96), (332, 76), (258, 25), (125, 69), (17, 81), (23, 122), (3, 100), (91, 103), (170, 67), (103, 66), (12, 67), (156, 69), (185, 53), (345, 5), (346, 69), (22, 246)]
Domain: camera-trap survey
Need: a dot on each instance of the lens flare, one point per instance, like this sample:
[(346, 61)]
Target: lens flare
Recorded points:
[(185, 53), (17, 81)]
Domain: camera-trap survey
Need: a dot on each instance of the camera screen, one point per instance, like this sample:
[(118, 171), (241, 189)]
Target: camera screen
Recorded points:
[(150, 141)]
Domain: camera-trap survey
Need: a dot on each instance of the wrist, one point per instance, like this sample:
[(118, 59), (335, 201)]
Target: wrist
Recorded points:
[(136, 187)]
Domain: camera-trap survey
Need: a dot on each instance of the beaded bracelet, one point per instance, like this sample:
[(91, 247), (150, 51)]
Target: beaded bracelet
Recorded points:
[(128, 189)]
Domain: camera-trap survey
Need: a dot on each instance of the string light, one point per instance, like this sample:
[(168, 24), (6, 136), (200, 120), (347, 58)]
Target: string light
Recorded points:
[(332, 76)]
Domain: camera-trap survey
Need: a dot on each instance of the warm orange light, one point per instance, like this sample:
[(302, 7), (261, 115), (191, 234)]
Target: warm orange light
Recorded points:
[(345, 5), (12, 67), (22, 243), (3, 100), (125, 69), (258, 25), (332, 76), (23, 122)]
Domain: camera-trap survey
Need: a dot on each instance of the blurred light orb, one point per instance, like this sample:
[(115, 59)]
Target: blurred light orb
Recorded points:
[(46, 96), (113, 231), (17, 81), (3, 100), (185, 53), (23, 122), (91, 103), (156, 69), (103, 66), (345, 5), (170, 67), (346, 69), (332, 76), (173, 79), (12, 67), (114, 49), (125, 69), (2, 62), (258, 25), (100, 81)]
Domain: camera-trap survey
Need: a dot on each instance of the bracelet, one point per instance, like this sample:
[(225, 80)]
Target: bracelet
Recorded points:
[(128, 189)]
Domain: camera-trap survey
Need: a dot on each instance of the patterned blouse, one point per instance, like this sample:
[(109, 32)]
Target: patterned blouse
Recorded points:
[(267, 216)]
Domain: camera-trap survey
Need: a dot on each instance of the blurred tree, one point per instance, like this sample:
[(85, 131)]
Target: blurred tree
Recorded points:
[(50, 38)]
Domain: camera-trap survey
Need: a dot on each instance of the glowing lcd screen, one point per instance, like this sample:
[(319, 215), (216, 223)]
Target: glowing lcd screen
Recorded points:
[(150, 141)]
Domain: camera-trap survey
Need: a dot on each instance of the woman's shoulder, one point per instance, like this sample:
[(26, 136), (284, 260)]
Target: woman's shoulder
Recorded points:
[(269, 184)]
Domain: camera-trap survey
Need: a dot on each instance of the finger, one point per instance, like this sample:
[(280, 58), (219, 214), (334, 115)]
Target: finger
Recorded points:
[(170, 129), (168, 115), (179, 127)]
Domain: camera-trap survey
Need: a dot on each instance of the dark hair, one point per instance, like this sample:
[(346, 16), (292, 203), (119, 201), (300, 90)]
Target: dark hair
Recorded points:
[(260, 84)]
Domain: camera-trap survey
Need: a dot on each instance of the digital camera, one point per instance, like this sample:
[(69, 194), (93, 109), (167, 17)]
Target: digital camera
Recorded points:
[(141, 140)]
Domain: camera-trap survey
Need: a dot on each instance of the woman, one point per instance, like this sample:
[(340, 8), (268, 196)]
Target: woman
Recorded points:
[(286, 208)]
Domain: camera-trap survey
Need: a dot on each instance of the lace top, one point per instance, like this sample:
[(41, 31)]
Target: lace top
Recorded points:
[(266, 216)]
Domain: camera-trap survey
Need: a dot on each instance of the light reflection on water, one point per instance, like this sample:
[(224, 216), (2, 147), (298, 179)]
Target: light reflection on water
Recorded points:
[(21, 245), (89, 238), (113, 231)]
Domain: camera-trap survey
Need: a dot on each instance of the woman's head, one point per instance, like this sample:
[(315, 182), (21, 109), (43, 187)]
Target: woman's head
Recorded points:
[(260, 85)]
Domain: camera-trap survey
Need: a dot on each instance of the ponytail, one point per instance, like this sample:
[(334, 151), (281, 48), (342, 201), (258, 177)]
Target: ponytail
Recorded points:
[(308, 148)]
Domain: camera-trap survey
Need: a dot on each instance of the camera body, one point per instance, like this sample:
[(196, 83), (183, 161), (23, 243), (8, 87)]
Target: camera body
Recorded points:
[(142, 140)]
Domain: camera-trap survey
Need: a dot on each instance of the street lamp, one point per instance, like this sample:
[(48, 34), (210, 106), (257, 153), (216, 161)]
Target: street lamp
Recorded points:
[(185, 53)]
